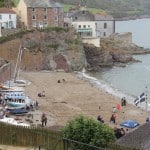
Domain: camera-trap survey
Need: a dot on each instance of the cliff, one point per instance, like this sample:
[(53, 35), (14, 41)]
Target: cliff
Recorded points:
[(51, 49), (114, 50), (62, 49)]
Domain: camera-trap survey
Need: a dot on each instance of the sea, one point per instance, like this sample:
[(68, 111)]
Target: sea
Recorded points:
[(134, 79)]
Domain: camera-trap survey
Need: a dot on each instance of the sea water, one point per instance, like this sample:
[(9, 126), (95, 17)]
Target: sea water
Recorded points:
[(134, 79)]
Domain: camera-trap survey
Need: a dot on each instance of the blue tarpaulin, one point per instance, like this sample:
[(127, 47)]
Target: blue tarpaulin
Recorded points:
[(129, 124)]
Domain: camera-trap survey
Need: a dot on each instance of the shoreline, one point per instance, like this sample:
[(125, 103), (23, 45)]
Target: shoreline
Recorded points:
[(75, 96), (132, 18)]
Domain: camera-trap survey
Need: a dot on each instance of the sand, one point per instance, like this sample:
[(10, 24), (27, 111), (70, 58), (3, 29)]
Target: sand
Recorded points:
[(63, 101)]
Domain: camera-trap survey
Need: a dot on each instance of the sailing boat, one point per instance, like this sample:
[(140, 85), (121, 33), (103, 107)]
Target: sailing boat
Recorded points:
[(15, 81)]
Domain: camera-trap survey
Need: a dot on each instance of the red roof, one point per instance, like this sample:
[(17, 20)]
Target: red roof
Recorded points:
[(6, 11)]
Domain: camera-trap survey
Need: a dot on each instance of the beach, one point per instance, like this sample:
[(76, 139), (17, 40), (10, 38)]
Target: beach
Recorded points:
[(72, 96)]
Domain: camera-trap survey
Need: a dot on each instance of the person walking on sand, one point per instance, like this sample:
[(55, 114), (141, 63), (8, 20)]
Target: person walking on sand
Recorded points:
[(43, 119), (113, 118)]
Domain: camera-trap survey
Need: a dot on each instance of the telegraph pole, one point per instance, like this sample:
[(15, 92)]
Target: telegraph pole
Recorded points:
[(146, 104)]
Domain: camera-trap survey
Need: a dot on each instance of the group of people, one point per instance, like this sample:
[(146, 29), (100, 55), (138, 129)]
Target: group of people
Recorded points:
[(59, 81), (123, 101), (41, 94), (119, 132)]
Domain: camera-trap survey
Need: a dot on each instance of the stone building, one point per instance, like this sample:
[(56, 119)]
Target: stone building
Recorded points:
[(105, 25), (40, 13)]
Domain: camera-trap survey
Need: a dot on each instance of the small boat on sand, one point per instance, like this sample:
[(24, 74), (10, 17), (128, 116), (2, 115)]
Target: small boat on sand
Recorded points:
[(12, 121), (19, 111)]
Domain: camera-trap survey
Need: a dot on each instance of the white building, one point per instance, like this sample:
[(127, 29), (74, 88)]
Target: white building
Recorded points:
[(8, 18), (105, 25), (84, 23)]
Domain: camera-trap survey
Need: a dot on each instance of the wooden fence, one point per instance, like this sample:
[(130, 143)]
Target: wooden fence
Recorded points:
[(42, 138), (30, 137)]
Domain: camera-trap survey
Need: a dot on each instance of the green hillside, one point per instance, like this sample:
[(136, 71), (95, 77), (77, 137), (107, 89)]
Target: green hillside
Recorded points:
[(118, 8)]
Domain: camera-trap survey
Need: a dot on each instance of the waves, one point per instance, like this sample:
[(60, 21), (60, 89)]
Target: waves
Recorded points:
[(105, 86)]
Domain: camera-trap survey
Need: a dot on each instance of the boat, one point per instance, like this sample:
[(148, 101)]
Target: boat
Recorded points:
[(19, 111), (16, 83), (12, 121), (18, 101)]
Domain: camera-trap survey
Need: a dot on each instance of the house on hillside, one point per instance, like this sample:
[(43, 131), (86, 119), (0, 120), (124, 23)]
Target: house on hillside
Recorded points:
[(105, 25), (40, 13), (8, 18), (84, 23)]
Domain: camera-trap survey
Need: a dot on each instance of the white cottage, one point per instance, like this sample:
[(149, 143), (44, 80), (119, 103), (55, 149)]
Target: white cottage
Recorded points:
[(8, 18), (84, 23)]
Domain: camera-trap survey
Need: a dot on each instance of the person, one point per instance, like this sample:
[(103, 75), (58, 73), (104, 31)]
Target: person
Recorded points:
[(58, 81), (147, 120), (42, 94), (119, 132), (124, 102), (113, 118), (114, 109), (100, 119), (43, 119)]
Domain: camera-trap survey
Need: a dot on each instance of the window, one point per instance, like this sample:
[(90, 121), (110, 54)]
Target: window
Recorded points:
[(45, 9), (0, 17), (105, 25), (55, 9), (83, 12), (9, 16), (79, 26), (33, 24), (84, 26), (56, 18), (45, 17), (45, 24), (76, 18), (104, 34), (88, 26), (33, 17), (33, 9)]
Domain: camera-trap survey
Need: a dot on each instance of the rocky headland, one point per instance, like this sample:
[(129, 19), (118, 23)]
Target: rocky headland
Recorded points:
[(62, 49)]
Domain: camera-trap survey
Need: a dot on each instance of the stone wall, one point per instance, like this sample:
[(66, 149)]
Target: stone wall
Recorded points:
[(124, 38)]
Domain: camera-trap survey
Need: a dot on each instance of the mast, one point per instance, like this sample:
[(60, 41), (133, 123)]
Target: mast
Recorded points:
[(18, 62)]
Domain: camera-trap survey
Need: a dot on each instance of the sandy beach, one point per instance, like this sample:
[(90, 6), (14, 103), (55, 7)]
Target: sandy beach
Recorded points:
[(75, 96)]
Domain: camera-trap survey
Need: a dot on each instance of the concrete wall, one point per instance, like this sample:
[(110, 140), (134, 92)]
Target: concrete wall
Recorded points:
[(94, 41), (125, 38)]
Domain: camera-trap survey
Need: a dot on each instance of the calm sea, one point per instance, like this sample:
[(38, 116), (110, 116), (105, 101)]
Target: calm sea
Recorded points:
[(133, 79)]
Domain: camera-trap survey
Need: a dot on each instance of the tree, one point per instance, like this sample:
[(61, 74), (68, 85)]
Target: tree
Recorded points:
[(89, 131)]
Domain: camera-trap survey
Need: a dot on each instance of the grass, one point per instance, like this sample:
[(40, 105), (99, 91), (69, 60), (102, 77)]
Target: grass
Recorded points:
[(92, 10), (15, 2)]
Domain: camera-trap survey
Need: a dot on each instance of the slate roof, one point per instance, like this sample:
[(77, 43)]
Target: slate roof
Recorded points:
[(103, 17), (42, 3), (139, 138), (6, 11)]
